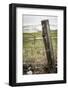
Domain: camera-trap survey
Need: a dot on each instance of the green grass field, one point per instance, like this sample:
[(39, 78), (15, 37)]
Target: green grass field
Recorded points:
[(33, 47)]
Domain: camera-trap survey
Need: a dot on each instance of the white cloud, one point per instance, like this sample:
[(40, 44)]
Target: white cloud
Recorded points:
[(32, 23)]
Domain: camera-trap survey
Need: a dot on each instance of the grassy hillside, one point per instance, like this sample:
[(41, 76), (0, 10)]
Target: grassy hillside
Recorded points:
[(33, 47)]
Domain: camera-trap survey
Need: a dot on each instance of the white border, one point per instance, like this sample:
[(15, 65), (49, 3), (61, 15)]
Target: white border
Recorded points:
[(44, 77)]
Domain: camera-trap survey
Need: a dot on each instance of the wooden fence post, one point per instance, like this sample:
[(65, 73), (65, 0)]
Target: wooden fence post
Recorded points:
[(48, 45)]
